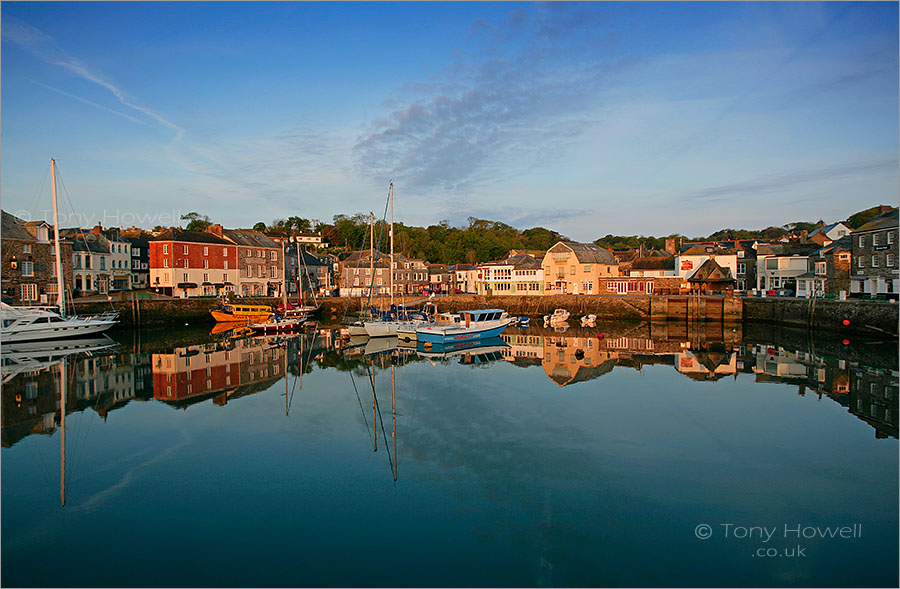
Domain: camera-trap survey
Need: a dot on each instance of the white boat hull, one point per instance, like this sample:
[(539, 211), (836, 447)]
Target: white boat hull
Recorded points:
[(66, 329)]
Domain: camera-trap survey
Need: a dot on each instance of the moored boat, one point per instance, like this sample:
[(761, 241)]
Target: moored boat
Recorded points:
[(277, 325), (238, 312), (25, 324), (558, 317), (465, 325)]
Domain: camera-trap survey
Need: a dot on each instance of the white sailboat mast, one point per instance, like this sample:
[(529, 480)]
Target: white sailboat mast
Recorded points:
[(60, 292), (284, 276), (392, 245)]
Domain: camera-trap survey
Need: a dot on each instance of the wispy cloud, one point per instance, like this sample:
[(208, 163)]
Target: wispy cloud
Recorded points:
[(45, 48), (780, 182), (88, 102), (496, 116)]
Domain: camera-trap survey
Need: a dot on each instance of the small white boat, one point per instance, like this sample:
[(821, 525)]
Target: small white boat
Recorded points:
[(558, 317), (589, 320)]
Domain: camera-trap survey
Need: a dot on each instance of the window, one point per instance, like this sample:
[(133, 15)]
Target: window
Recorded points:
[(165, 248), (259, 253), (184, 263), (890, 238), (862, 241), (78, 261), (185, 277), (874, 261), (225, 252), (249, 271), (27, 270), (875, 240), (820, 268), (205, 250), (273, 256), (890, 262), (572, 270), (166, 263), (26, 248), (742, 268), (587, 268), (861, 261), (205, 277), (28, 292), (274, 272), (87, 261), (771, 263), (206, 263), (225, 267), (184, 250)]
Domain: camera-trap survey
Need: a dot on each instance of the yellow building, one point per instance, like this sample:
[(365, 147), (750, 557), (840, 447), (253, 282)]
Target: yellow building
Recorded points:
[(575, 268)]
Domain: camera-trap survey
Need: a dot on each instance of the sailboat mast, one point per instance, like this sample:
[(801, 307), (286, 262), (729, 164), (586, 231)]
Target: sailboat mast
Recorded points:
[(299, 278), (392, 244), (284, 277), (371, 250), (60, 290)]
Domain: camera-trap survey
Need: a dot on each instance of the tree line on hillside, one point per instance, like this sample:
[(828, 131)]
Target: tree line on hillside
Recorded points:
[(483, 240)]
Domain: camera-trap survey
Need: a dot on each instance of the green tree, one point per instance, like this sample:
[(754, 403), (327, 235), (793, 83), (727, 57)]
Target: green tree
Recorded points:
[(196, 221)]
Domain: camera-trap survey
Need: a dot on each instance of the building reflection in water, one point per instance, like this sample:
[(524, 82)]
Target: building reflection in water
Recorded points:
[(862, 378)]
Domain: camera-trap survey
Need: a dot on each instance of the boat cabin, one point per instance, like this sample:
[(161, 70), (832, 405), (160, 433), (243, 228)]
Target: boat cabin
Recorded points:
[(481, 315), (244, 309)]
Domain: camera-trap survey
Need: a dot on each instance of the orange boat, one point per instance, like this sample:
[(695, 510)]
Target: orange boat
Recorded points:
[(232, 313)]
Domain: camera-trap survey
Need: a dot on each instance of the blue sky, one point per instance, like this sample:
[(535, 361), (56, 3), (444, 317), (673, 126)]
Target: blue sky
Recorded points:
[(586, 118)]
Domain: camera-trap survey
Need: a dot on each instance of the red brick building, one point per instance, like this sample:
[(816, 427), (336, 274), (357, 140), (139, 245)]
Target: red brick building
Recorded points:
[(192, 263)]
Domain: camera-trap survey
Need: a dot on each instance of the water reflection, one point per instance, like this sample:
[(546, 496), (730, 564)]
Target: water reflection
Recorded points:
[(104, 376)]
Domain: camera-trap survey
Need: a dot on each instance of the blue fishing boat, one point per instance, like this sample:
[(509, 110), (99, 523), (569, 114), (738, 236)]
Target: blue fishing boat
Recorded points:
[(464, 326)]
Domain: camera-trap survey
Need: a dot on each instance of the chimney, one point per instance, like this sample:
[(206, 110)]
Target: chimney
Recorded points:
[(98, 229), (804, 236), (215, 230), (670, 246)]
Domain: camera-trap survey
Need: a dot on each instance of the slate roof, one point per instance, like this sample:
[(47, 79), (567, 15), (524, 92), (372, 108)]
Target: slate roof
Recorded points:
[(711, 271), (80, 244), (589, 253), (701, 249), (176, 234), (12, 227), (883, 221), (654, 263), (249, 238)]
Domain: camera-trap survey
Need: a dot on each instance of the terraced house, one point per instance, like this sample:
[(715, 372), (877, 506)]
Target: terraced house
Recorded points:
[(517, 274), (874, 265), (260, 261), (577, 268), (29, 262), (192, 263)]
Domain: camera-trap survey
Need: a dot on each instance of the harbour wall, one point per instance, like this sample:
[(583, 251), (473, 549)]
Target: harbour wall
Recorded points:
[(872, 317)]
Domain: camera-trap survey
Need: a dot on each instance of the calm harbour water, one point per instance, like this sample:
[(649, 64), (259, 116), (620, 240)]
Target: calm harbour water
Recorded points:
[(548, 459)]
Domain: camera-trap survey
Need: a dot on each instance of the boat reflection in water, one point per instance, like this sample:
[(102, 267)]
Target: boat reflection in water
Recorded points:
[(468, 352)]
